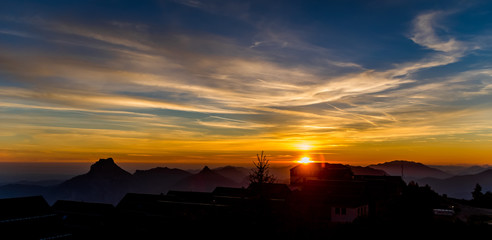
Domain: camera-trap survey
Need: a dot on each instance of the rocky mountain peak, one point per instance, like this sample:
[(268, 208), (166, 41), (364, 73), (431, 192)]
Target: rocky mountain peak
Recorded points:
[(107, 166)]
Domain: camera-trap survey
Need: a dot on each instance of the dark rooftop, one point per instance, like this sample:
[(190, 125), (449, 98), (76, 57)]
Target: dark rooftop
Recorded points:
[(86, 208), (14, 208)]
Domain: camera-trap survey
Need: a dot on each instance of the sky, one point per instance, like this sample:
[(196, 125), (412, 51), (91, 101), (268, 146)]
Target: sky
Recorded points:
[(192, 81)]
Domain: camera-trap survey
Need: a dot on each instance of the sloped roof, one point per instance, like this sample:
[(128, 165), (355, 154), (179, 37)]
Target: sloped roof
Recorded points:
[(189, 196), (270, 190), (130, 199), (85, 208), (11, 208), (230, 192)]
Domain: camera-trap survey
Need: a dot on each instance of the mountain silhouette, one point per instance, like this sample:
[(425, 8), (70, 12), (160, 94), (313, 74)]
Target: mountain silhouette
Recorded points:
[(358, 170), (411, 170), (237, 174), (460, 186), (462, 170), (105, 182), (108, 169), (157, 180), (204, 181)]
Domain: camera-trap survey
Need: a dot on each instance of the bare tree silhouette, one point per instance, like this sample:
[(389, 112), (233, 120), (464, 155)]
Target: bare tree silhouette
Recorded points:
[(261, 174)]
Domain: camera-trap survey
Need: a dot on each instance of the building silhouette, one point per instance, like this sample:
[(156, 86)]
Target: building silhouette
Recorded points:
[(29, 218), (320, 199), (332, 193)]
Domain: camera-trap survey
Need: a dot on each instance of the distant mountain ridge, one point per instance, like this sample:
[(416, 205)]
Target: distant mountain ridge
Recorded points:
[(410, 170), (462, 170), (106, 182), (204, 181), (237, 174), (456, 186), (358, 170), (460, 186), (157, 180)]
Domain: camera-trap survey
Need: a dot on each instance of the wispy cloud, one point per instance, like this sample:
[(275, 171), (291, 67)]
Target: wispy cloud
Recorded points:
[(221, 122), (165, 85), (425, 34), (231, 84), (107, 101)]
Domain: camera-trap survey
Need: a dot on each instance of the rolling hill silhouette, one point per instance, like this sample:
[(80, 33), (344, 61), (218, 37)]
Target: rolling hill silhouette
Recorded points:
[(237, 174), (442, 182), (462, 170), (157, 180), (460, 186), (358, 170), (204, 181), (411, 170), (106, 182)]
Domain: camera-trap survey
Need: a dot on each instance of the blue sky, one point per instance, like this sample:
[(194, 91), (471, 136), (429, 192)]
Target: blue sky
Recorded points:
[(190, 80)]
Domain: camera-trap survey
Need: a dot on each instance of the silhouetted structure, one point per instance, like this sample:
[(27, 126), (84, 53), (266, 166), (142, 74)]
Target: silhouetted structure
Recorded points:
[(332, 193), (323, 200), (271, 191), (29, 218), (304, 173), (225, 210), (83, 218)]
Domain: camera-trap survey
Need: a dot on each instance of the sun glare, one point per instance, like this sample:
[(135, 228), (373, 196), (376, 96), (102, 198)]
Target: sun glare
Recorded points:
[(305, 160), (304, 146)]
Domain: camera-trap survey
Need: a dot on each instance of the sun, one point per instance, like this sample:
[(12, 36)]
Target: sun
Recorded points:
[(305, 160)]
